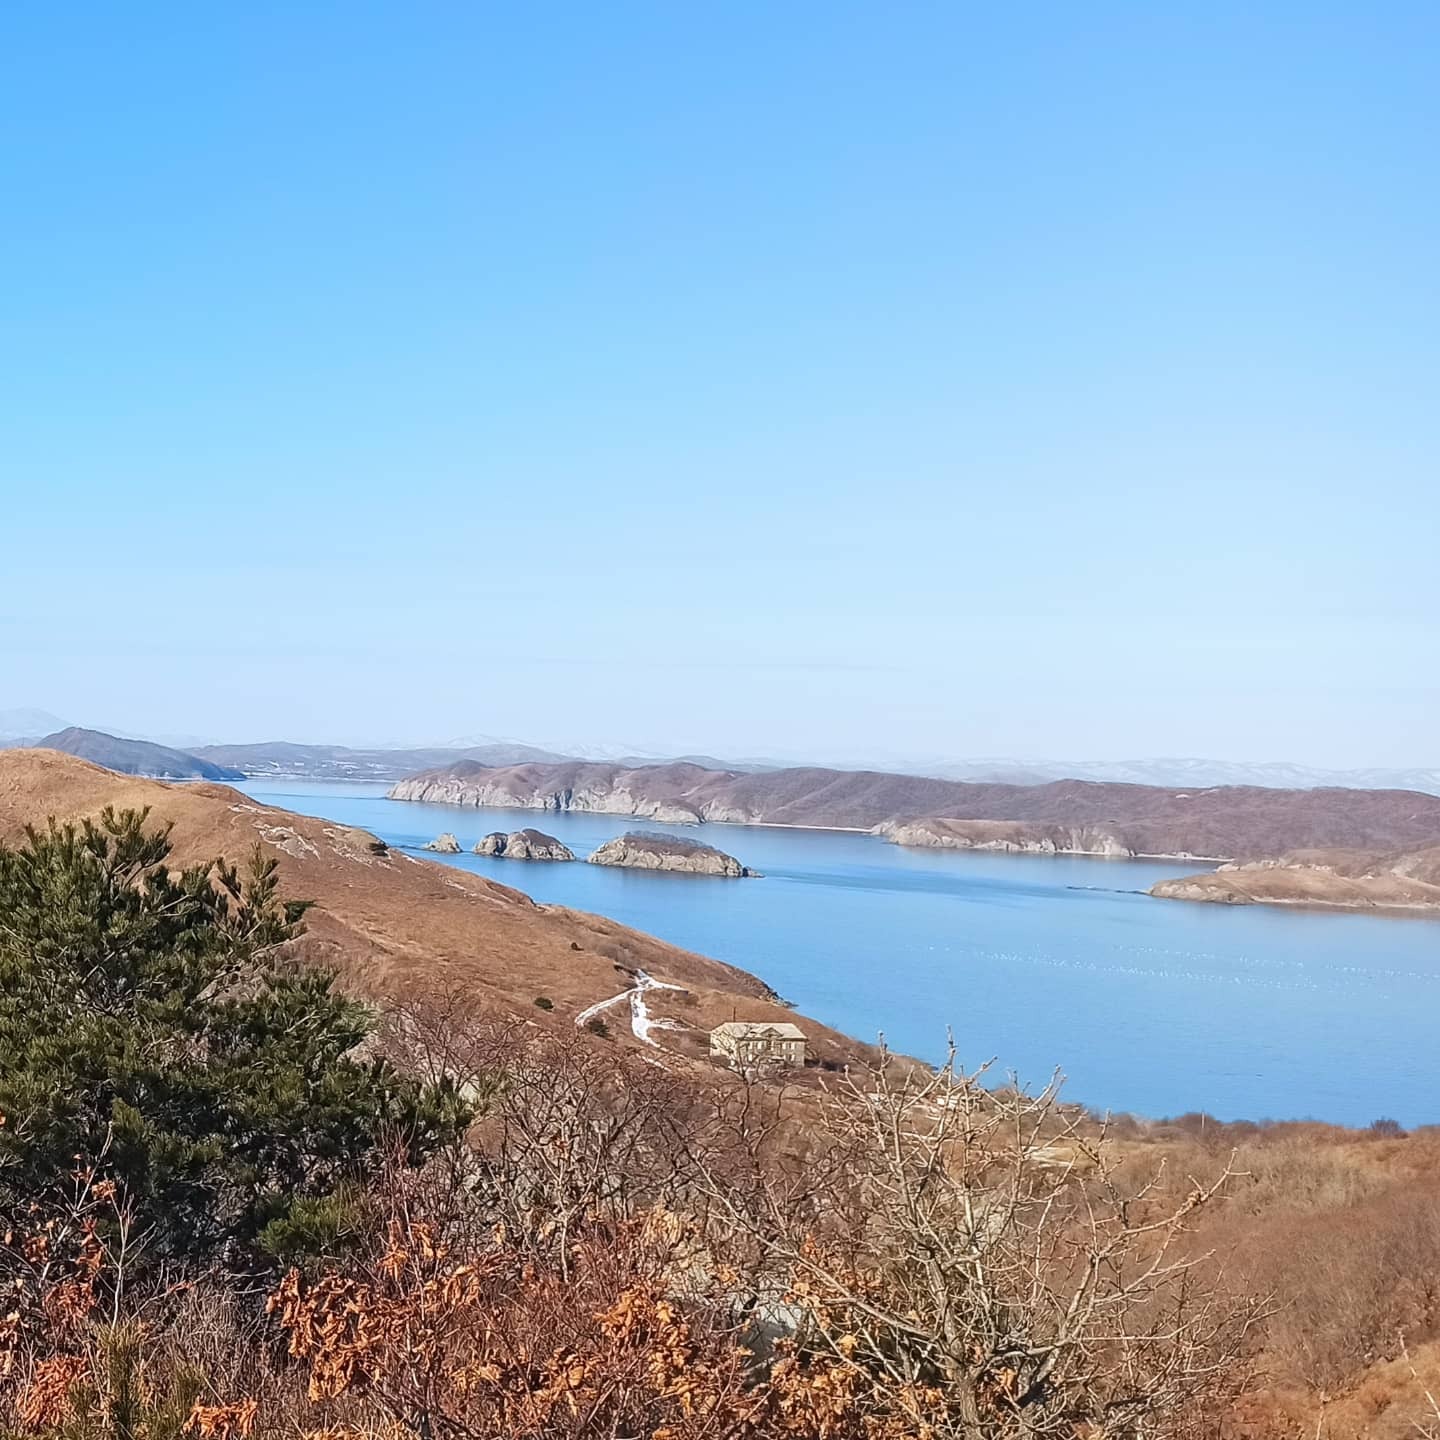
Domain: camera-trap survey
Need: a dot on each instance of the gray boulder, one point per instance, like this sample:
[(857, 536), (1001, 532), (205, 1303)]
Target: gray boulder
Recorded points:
[(523, 845)]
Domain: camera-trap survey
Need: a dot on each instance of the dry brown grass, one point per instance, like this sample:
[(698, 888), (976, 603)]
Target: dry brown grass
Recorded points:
[(397, 926)]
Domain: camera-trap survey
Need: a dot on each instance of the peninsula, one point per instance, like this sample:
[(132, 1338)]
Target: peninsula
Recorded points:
[(1407, 882), (1224, 823)]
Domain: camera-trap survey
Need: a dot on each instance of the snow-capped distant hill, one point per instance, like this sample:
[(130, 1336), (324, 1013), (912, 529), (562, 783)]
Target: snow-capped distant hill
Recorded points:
[(1280, 775), (27, 724)]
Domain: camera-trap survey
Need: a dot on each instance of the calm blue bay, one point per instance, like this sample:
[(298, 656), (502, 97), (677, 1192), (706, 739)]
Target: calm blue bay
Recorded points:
[(1157, 1007)]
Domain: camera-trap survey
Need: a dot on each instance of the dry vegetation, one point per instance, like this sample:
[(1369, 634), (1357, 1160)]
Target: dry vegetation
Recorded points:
[(630, 1243), (609, 1255), (393, 925), (1342, 1229), (612, 1253)]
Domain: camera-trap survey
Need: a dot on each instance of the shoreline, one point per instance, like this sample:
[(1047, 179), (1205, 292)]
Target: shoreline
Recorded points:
[(1078, 854), (1215, 1106), (825, 830), (1398, 911)]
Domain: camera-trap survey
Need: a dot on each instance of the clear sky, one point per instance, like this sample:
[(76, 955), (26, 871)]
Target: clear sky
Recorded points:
[(763, 378)]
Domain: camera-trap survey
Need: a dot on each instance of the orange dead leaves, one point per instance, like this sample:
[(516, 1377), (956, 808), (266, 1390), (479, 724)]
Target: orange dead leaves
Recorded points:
[(222, 1422), (46, 1400)]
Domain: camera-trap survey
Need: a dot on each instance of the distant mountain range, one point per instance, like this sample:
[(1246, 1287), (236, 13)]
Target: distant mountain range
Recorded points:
[(1275, 775), (283, 759)]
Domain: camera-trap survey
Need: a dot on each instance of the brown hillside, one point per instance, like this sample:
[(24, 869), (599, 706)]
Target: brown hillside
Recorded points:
[(396, 925), (1227, 822), (1346, 879)]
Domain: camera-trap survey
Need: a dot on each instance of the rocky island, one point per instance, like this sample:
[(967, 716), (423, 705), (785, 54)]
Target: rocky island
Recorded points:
[(523, 845), (445, 844), (642, 850)]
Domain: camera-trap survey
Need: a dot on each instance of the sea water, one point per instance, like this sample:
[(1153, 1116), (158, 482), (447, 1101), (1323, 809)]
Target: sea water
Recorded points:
[(1153, 1006)]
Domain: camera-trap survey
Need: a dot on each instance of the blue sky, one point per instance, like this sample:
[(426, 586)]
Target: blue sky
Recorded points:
[(828, 379)]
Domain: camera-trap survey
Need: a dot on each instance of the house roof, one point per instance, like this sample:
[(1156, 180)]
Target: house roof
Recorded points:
[(759, 1030)]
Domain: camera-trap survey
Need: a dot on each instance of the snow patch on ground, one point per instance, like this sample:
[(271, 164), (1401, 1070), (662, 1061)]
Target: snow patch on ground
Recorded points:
[(642, 1022), (286, 839)]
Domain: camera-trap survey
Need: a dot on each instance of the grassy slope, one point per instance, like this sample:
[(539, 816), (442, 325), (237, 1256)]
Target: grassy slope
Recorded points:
[(396, 925)]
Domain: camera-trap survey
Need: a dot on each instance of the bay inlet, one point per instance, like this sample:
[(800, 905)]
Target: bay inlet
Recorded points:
[(1152, 1006)]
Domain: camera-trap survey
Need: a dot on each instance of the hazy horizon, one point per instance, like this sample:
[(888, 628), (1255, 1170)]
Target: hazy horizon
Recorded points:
[(606, 749), (815, 380)]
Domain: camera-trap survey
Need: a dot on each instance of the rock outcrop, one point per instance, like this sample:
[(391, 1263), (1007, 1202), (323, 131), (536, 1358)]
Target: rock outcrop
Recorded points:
[(445, 844), (359, 842), (640, 850), (1012, 837), (523, 845)]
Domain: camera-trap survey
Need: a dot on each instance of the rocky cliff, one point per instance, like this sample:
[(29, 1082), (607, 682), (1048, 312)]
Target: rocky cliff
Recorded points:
[(523, 845), (600, 789), (1012, 837), (1224, 823), (641, 851)]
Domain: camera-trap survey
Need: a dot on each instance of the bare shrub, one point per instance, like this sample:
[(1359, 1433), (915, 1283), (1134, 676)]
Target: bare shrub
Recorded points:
[(965, 1262), (616, 1252)]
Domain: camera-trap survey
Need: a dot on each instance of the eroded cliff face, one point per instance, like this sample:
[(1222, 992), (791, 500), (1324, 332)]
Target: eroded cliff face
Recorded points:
[(523, 845), (504, 793), (1007, 836), (659, 852)]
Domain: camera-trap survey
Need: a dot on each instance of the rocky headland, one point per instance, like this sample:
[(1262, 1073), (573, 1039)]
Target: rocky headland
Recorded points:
[(1407, 882), (523, 845), (640, 850), (1233, 822)]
